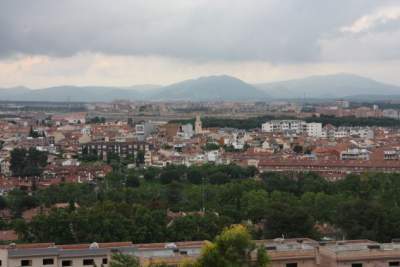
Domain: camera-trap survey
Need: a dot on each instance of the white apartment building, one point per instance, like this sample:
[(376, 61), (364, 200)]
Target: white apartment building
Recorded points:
[(283, 125), (186, 131), (292, 126), (340, 133), (343, 132), (362, 132), (314, 129)]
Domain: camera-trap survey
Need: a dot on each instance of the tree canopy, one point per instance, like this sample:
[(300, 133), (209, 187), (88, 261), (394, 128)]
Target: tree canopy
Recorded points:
[(233, 248), (124, 260), (179, 203), (27, 162)]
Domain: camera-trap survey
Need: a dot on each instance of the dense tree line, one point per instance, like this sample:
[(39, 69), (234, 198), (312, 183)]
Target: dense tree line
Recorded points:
[(247, 124), (255, 122), (96, 120), (137, 205)]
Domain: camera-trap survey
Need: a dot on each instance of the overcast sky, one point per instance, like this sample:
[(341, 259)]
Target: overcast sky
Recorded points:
[(127, 42)]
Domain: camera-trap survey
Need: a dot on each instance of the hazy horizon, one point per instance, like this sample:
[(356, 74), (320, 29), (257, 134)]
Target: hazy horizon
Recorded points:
[(140, 86)]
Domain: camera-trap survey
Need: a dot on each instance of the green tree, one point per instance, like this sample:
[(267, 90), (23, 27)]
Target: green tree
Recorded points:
[(283, 219), (195, 176), (3, 203), (174, 193), (171, 173), (27, 162), (19, 201), (211, 146), (219, 178), (361, 219), (151, 173), (132, 180), (233, 248), (124, 260), (197, 227), (140, 157), (255, 205)]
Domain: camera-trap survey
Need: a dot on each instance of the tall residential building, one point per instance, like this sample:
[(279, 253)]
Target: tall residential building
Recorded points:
[(143, 130)]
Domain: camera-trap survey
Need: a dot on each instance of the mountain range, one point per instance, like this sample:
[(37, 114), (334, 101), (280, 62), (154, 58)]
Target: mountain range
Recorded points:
[(329, 86), (217, 88)]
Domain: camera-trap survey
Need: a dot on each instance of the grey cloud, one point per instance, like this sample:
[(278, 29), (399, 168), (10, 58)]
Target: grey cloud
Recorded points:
[(273, 30), (373, 37)]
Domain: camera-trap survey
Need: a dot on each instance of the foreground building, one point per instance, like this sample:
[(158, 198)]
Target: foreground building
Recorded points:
[(301, 252)]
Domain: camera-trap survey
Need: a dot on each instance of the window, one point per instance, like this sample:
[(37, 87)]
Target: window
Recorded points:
[(357, 265), (0, 263), (48, 261), (88, 262), (105, 261), (66, 263), (394, 263), (291, 264), (26, 263)]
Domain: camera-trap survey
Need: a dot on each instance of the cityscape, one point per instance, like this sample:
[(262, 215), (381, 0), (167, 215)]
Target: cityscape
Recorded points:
[(199, 133)]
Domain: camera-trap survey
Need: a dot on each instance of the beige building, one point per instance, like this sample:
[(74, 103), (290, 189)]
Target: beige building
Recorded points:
[(301, 252), (50, 255), (282, 252), (360, 253)]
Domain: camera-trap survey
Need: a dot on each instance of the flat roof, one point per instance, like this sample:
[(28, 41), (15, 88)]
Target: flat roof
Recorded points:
[(359, 245)]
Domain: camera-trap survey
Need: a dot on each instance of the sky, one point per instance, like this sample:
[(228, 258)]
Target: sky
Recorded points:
[(128, 42)]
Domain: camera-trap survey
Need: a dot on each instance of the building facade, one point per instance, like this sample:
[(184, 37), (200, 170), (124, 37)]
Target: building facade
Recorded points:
[(313, 129), (102, 149), (302, 252)]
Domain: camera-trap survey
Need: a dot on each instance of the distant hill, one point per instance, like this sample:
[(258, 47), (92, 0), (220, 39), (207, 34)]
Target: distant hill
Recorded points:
[(78, 93), (221, 87), (328, 86), (201, 89), (217, 88)]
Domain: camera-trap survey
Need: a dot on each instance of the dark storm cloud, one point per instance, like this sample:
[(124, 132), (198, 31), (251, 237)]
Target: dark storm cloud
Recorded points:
[(273, 30)]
